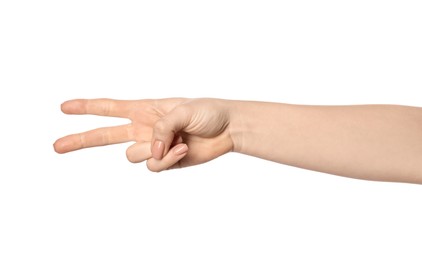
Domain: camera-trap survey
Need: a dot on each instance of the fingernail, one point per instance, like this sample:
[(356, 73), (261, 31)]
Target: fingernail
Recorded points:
[(180, 149), (158, 150)]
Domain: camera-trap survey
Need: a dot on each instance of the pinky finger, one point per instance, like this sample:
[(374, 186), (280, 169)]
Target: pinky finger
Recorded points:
[(172, 157)]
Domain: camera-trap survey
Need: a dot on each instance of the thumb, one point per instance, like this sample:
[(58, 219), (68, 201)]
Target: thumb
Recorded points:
[(165, 129)]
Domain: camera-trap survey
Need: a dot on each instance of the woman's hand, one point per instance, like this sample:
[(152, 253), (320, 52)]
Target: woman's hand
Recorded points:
[(375, 142), (168, 133)]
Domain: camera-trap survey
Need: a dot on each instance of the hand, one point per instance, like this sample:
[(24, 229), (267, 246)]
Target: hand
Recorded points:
[(168, 133)]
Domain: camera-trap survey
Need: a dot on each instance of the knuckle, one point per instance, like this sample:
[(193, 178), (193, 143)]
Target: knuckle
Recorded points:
[(152, 167), (177, 165), (82, 140), (107, 106), (185, 110), (130, 156), (160, 126), (106, 136)]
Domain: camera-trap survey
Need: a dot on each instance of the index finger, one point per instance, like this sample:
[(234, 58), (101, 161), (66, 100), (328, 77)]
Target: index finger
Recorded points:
[(100, 107)]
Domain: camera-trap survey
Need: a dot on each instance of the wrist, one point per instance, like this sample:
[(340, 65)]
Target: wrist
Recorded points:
[(236, 125), (256, 128)]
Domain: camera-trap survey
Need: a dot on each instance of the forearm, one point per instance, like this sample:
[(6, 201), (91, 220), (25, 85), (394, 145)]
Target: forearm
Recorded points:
[(377, 142)]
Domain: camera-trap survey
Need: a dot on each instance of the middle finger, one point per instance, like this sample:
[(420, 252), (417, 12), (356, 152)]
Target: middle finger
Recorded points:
[(96, 137)]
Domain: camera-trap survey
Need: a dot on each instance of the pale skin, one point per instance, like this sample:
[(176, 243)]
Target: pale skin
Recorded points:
[(372, 142)]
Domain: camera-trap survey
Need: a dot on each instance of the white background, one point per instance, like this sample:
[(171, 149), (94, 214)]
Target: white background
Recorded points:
[(93, 204)]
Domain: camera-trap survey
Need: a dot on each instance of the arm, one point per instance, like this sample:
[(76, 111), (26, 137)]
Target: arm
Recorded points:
[(375, 142)]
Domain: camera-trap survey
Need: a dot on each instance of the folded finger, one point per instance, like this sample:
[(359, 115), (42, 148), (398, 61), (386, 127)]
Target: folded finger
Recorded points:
[(96, 137), (139, 152), (171, 158)]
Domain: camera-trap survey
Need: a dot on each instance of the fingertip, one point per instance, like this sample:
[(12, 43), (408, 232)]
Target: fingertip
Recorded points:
[(180, 149), (171, 159), (61, 146), (130, 156), (138, 152), (64, 106), (61, 106), (72, 106), (58, 147), (158, 150)]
